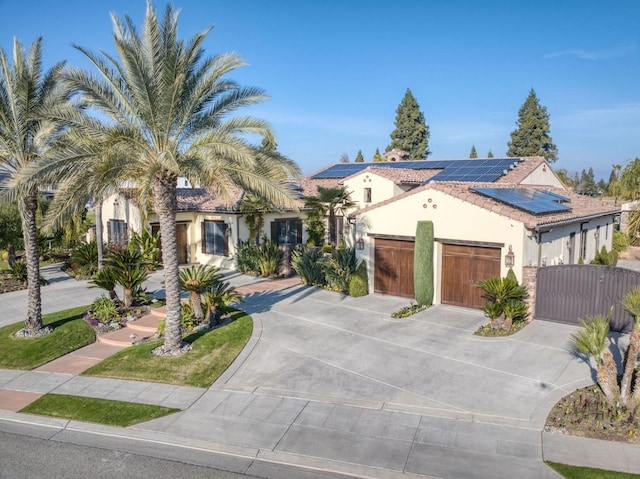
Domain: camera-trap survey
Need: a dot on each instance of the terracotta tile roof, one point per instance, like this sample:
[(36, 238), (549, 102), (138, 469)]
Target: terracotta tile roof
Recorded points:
[(202, 200), (310, 186), (581, 206), (400, 176)]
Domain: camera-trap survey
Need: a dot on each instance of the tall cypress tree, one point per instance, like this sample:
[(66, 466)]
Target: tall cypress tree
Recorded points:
[(412, 132), (532, 137), (474, 153), (359, 157)]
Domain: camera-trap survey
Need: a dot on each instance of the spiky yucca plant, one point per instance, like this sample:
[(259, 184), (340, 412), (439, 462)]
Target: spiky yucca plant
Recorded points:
[(308, 264)]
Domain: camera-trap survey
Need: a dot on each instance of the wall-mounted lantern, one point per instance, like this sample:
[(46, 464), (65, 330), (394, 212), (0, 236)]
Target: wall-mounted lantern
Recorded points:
[(360, 243), (509, 258)]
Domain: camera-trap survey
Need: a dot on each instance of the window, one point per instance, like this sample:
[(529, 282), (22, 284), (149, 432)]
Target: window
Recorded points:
[(286, 231), (116, 232), (367, 195), (572, 246), (215, 238), (583, 244)]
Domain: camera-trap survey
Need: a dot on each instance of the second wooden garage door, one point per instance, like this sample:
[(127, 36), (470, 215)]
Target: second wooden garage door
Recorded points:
[(462, 268), (393, 261)]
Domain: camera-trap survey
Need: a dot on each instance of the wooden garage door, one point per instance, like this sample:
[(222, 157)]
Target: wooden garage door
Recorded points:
[(393, 267), (462, 268)]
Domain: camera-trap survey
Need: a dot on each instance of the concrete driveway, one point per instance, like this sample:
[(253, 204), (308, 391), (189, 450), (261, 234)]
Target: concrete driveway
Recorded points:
[(334, 383)]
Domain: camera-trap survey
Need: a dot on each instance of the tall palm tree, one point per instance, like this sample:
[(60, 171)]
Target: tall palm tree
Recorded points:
[(254, 207), (27, 134), (631, 303), (165, 110), (331, 201)]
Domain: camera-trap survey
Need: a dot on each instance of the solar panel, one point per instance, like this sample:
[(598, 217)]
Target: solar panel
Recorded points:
[(532, 201), (467, 170)]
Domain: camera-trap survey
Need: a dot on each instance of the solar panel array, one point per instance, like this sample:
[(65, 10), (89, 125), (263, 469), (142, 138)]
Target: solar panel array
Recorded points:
[(469, 170), (532, 201)]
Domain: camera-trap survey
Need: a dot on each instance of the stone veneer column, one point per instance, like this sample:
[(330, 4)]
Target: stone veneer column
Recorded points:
[(529, 275)]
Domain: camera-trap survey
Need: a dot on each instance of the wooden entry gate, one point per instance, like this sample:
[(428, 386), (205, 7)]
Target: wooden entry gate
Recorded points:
[(567, 293)]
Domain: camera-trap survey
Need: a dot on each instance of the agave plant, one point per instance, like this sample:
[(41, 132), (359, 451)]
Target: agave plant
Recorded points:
[(196, 280)]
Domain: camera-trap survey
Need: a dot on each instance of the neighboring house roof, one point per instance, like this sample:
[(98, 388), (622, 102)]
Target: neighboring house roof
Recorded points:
[(581, 206)]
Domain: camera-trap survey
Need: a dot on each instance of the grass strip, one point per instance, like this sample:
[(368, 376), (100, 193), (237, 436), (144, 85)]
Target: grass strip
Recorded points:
[(70, 333), (102, 411), (212, 353), (576, 472)]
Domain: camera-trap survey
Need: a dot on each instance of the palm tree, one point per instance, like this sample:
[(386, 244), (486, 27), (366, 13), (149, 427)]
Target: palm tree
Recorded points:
[(218, 297), (27, 134), (631, 303), (128, 270), (254, 207), (165, 110), (331, 201), (592, 340), (197, 280)]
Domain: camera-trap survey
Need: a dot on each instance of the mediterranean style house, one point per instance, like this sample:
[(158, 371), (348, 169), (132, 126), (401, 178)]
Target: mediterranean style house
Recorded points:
[(489, 215)]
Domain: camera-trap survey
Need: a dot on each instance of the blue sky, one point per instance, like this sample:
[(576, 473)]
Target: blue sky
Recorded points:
[(337, 70)]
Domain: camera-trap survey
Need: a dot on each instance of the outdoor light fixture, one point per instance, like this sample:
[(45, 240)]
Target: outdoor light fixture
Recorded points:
[(509, 258), (360, 243)]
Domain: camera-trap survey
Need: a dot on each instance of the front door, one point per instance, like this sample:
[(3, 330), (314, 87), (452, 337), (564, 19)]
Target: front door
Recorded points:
[(182, 241)]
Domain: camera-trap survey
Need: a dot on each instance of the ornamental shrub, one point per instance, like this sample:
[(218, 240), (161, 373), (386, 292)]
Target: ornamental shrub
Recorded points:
[(359, 284)]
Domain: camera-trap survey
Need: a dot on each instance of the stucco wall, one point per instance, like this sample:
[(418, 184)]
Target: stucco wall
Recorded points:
[(118, 207), (542, 175), (453, 219), (381, 188), (554, 247)]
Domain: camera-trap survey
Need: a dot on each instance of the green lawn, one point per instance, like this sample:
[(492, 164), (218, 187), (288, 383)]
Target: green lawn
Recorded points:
[(574, 472), (212, 353), (70, 333), (103, 411)]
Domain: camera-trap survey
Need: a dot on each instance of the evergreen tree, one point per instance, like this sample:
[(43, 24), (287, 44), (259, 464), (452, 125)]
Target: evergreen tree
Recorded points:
[(377, 156), (490, 154), (474, 153), (587, 185), (412, 132), (359, 157), (532, 137)]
